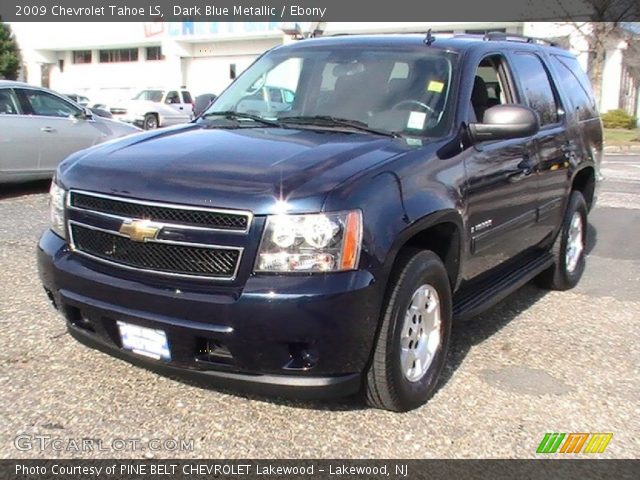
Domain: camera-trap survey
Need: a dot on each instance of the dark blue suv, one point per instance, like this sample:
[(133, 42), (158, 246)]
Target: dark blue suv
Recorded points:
[(323, 243)]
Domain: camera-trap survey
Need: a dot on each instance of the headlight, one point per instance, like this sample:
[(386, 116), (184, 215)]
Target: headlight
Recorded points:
[(321, 242), (57, 200)]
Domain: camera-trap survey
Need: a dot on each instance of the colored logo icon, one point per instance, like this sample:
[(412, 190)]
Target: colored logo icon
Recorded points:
[(574, 442)]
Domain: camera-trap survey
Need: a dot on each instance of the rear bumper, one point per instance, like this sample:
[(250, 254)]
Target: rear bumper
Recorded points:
[(308, 337)]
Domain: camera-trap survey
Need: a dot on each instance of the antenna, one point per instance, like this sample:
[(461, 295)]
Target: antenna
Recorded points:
[(429, 39)]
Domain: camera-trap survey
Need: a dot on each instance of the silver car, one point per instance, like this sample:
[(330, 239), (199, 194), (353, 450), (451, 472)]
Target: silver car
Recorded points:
[(40, 128)]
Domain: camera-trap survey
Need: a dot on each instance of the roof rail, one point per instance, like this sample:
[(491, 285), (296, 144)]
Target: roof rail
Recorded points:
[(511, 37)]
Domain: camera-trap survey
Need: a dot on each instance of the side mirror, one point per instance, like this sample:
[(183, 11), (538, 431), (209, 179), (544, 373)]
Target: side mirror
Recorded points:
[(85, 114), (505, 121)]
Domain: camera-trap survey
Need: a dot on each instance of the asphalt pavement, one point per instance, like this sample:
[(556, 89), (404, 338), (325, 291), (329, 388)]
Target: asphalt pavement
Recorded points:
[(538, 362)]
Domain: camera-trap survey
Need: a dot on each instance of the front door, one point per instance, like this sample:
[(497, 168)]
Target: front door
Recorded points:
[(502, 185)]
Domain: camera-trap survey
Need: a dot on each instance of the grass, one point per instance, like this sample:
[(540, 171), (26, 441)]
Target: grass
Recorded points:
[(620, 136)]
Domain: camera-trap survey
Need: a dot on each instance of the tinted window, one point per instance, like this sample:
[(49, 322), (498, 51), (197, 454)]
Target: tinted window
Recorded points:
[(82, 56), (538, 92), (8, 103), (45, 104), (576, 85), (186, 97), (172, 97), (119, 55), (154, 53)]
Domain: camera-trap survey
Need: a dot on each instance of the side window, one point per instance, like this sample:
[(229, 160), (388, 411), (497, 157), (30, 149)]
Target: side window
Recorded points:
[(47, 105), (8, 102), (172, 97), (275, 95), (490, 86), (538, 92), (186, 97), (575, 84)]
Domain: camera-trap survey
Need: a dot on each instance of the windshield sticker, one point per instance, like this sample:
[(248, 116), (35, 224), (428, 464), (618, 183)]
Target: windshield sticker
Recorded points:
[(416, 120), (434, 86)]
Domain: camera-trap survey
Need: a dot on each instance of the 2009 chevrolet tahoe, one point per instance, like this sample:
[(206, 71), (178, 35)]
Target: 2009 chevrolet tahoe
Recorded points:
[(323, 244)]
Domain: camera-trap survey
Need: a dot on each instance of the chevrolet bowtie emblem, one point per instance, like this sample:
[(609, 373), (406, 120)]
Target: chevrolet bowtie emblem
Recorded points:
[(140, 230)]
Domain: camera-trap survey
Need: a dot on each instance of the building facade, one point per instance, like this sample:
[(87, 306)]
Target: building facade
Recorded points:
[(110, 61)]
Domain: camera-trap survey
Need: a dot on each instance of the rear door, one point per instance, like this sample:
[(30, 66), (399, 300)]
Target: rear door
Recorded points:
[(19, 138), (187, 101), (553, 148), (59, 126)]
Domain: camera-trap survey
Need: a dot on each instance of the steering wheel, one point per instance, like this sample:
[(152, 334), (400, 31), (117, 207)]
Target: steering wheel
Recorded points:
[(414, 102)]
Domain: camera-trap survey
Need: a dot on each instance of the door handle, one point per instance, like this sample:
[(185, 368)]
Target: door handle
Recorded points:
[(48, 129)]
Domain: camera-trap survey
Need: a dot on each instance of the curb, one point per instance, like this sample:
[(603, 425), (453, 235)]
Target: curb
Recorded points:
[(622, 149)]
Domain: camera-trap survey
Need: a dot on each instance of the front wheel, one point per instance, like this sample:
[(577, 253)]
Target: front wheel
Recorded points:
[(569, 248), (150, 121), (412, 344)]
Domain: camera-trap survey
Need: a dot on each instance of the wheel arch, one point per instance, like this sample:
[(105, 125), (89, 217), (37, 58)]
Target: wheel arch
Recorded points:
[(440, 232), (584, 181)]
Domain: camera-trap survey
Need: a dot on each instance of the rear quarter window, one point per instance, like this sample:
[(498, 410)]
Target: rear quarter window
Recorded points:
[(186, 97)]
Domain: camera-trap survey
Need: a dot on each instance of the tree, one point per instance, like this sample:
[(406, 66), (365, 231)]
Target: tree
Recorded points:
[(608, 25), (9, 53)]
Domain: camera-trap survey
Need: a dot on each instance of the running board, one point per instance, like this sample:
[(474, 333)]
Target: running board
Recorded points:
[(472, 300)]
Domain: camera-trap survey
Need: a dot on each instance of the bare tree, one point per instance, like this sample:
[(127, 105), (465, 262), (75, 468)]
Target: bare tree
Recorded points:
[(607, 25)]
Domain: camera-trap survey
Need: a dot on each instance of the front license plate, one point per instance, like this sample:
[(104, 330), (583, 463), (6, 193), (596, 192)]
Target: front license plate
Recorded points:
[(144, 341)]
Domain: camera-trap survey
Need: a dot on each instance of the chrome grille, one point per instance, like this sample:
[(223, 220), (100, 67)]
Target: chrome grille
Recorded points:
[(184, 244), (162, 257), (177, 215)]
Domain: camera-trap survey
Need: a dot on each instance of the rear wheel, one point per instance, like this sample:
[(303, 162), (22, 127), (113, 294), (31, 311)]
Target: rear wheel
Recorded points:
[(569, 248), (412, 344), (150, 121)]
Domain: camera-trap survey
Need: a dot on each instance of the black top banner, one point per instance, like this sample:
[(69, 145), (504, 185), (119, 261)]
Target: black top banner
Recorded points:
[(317, 10)]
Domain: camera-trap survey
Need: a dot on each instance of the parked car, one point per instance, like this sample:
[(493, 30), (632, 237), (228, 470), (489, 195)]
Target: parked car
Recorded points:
[(155, 108), (79, 99), (39, 128), (202, 103), (328, 248), (84, 102), (267, 100)]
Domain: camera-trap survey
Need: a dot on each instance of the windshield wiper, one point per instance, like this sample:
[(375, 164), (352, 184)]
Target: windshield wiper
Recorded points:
[(233, 115), (329, 121)]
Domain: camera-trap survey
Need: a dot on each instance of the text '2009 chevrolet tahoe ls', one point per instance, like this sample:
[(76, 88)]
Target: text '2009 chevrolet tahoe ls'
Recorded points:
[(323, 246)]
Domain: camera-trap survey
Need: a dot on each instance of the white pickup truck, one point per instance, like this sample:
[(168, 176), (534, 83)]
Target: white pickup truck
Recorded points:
[(153, 108)]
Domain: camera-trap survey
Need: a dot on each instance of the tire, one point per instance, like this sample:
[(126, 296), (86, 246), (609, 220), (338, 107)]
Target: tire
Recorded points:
[(150, 121), (565, 272), (391, 383)]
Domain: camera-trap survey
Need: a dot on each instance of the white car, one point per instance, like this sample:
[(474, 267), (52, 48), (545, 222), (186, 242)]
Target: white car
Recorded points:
[(155, 108), (39, 128)]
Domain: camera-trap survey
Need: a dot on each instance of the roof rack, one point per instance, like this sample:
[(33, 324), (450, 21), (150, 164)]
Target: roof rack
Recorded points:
[(511, 37)]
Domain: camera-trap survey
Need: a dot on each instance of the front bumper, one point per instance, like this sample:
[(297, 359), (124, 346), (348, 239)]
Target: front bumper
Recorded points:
[(305, 336)]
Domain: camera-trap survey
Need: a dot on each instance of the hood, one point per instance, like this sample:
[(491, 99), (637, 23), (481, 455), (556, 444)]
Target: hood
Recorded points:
[(244, 168)]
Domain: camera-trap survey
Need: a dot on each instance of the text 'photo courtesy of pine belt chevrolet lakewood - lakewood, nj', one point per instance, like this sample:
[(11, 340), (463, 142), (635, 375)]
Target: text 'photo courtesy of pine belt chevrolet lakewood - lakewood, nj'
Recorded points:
[(304, 237)]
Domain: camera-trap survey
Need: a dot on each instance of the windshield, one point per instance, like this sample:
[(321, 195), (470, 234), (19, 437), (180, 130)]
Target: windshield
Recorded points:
[(149, 95), (394, 90)]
